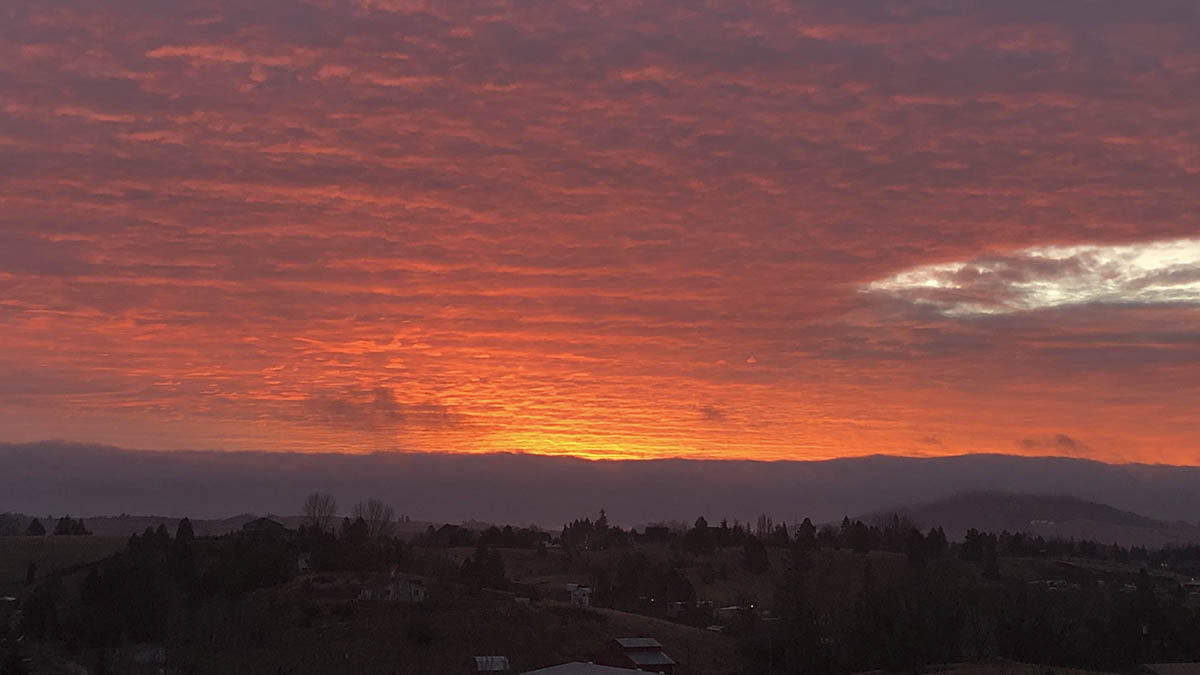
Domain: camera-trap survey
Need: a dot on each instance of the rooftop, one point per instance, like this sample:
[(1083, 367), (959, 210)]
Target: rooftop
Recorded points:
[(638, 643), (578, 668)]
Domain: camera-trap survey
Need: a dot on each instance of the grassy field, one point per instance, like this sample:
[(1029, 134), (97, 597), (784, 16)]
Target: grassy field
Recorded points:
[(50, 553)]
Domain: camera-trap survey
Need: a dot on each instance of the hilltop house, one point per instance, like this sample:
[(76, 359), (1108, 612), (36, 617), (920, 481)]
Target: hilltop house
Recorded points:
[(263, 528)]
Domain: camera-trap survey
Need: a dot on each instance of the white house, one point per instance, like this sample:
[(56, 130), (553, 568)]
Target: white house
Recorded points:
[(581, 596), (406, 590), (491, 664)]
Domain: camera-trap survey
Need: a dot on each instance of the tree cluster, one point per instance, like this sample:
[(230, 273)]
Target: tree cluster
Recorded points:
[(922, 620), (635, 583), (484, 569), (585, 534), (70, 526)]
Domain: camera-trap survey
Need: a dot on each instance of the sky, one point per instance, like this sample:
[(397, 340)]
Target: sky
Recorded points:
[(720, 230)]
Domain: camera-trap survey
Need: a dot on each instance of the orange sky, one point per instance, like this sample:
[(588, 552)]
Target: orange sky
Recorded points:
[(612, 229)]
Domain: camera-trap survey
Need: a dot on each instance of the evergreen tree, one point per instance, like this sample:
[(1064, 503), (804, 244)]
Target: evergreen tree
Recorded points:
[(806, 534), (754, 555), (35, 529), (699, 539), (184, 533), (915, 548), (65, 526), (799, 648)]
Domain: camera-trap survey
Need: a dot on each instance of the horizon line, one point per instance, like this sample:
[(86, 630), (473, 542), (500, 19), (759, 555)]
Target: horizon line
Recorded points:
[(584, 458)]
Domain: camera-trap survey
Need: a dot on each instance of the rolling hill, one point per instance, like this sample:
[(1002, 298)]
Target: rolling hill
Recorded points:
[(1046, 515)]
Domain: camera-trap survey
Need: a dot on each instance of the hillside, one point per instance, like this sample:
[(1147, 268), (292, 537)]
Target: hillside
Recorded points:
[(1046, 515)]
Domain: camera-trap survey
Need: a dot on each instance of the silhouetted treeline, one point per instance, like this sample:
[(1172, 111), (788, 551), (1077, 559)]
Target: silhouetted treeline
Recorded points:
[(909, 596), (175, 589), (893, 533), (925, 619), (10, 526), (351, 548), (634, 583), (69, 526), (459, 536), (158, 585)]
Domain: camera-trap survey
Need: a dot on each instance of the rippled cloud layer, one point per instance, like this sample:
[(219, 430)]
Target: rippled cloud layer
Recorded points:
[(607, 229)]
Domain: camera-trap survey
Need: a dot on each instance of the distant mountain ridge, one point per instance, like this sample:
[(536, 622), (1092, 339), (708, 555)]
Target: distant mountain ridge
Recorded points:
[(88, 479), (1051, 516)]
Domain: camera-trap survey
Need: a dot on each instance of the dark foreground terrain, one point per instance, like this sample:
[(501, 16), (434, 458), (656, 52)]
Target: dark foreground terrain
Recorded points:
[(718, 598)]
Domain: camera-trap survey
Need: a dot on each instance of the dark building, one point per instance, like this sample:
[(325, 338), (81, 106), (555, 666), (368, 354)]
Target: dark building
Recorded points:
[(645, 654)]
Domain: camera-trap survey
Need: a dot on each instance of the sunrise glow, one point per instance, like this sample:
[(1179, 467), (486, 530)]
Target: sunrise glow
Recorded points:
[(769, 232)]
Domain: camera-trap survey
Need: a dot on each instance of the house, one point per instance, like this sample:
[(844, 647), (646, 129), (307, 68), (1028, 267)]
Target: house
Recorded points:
[(304, 563), (730, 614), (578, 668), (366, 594), (581, 596), (149, 654), (656, 533), (491, 664), (640, 653), (263, 528), (148, 659), (405, 590)]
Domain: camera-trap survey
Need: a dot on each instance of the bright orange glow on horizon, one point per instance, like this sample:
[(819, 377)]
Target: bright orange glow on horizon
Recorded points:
[(607, 231)]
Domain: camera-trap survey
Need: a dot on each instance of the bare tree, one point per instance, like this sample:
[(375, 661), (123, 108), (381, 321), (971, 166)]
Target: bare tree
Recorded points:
[(378, 516), (319, 510)]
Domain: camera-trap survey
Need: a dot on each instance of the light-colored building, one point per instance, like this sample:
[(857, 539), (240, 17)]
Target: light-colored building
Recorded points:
[(491, 664), (730, 614), (406, 590), (580, 595)]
